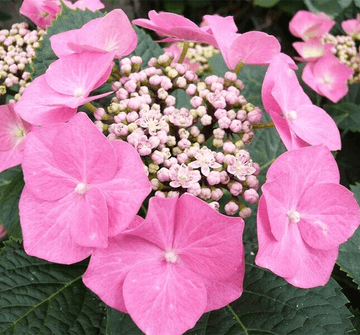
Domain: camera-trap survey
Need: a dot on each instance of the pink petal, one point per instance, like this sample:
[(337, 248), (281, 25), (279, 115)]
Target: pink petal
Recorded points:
[(329, 215), (306, 126), (76, 75), (83, 152), (287, 135), (127, 190), (164, 299), (170, 20), (89, 223), (309, 78), (193, 34), (280, 257), (222, 292), (253, 47), (108, 267), (208, 242), (113, 32), (311, 164), (224, 30), (299, 264), (158, 227), (42, 175), (40, 104), (10, 158), (60, 42), (281, 196), (46, 229)]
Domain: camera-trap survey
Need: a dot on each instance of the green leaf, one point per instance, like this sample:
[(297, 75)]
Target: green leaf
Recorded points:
[(266, 3), (146, 47), (330, 7), (357, 3), (349, 253), (346, 115), (10, 194), (68, 19), (198, 3), (38, 297), (4, 16), (120, 323)]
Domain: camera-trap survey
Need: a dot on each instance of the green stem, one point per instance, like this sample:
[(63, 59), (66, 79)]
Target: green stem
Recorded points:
[(263, 125), (238, 67), (90, 107), (184, 51), (237, 319)]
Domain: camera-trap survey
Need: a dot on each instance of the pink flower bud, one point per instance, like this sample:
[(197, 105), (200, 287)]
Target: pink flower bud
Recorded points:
[(154, 184), (235, 126), (170, 100), (229, 147), (229, 159), (99, 113), (116, 86), (132, 117), (219, 157), (160, 194), (252, 181), (213, 178), (205, 193), (219, 113), (196, 101), (194, 189), (157, 157), (194, 131), (246, 126), (231, 208), (181, 82), (236, 189), (184, 143), (245, 212), (241, 115), (182, 158), (255, 115), (224, 177), (230, 76), (155, 80), (218, 133), (206, 120), (163, 174), (216, 194), (256, 166), (191, 89), (251, 196), (224, 122)]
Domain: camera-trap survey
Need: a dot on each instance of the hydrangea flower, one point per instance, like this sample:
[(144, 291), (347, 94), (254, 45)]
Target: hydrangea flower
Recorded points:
[(79, 190), (183, 260), (328, 77), (111, 33), (55, 96), (253, 47), (296, 119), (205, 159), (352, 26), (177, 27), (13, 132), (306, 25), (41, 12), (303, 217)]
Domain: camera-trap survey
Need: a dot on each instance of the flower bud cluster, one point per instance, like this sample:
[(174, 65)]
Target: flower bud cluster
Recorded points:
[(197, 149), (344, 48), (16, 51)]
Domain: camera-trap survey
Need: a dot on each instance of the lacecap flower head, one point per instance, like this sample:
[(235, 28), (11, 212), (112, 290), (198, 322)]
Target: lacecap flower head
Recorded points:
[(183, 260), (303, 217), (80, 189)]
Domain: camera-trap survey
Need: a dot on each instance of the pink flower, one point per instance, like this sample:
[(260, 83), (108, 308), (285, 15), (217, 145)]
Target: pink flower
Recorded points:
[(13, 132), (303, 217), (328, 77), (253, 47), (205, 159), (352, 27), (183, 260), (111, 33), (93, 5), (177, 27), (80, 189), (41, 12), (312, 49), (296, 119), (307, 25), (55, 96)]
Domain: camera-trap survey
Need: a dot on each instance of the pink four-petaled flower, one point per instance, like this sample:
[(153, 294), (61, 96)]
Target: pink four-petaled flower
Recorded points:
[(80, 189), (303, 217), (183, 260)]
